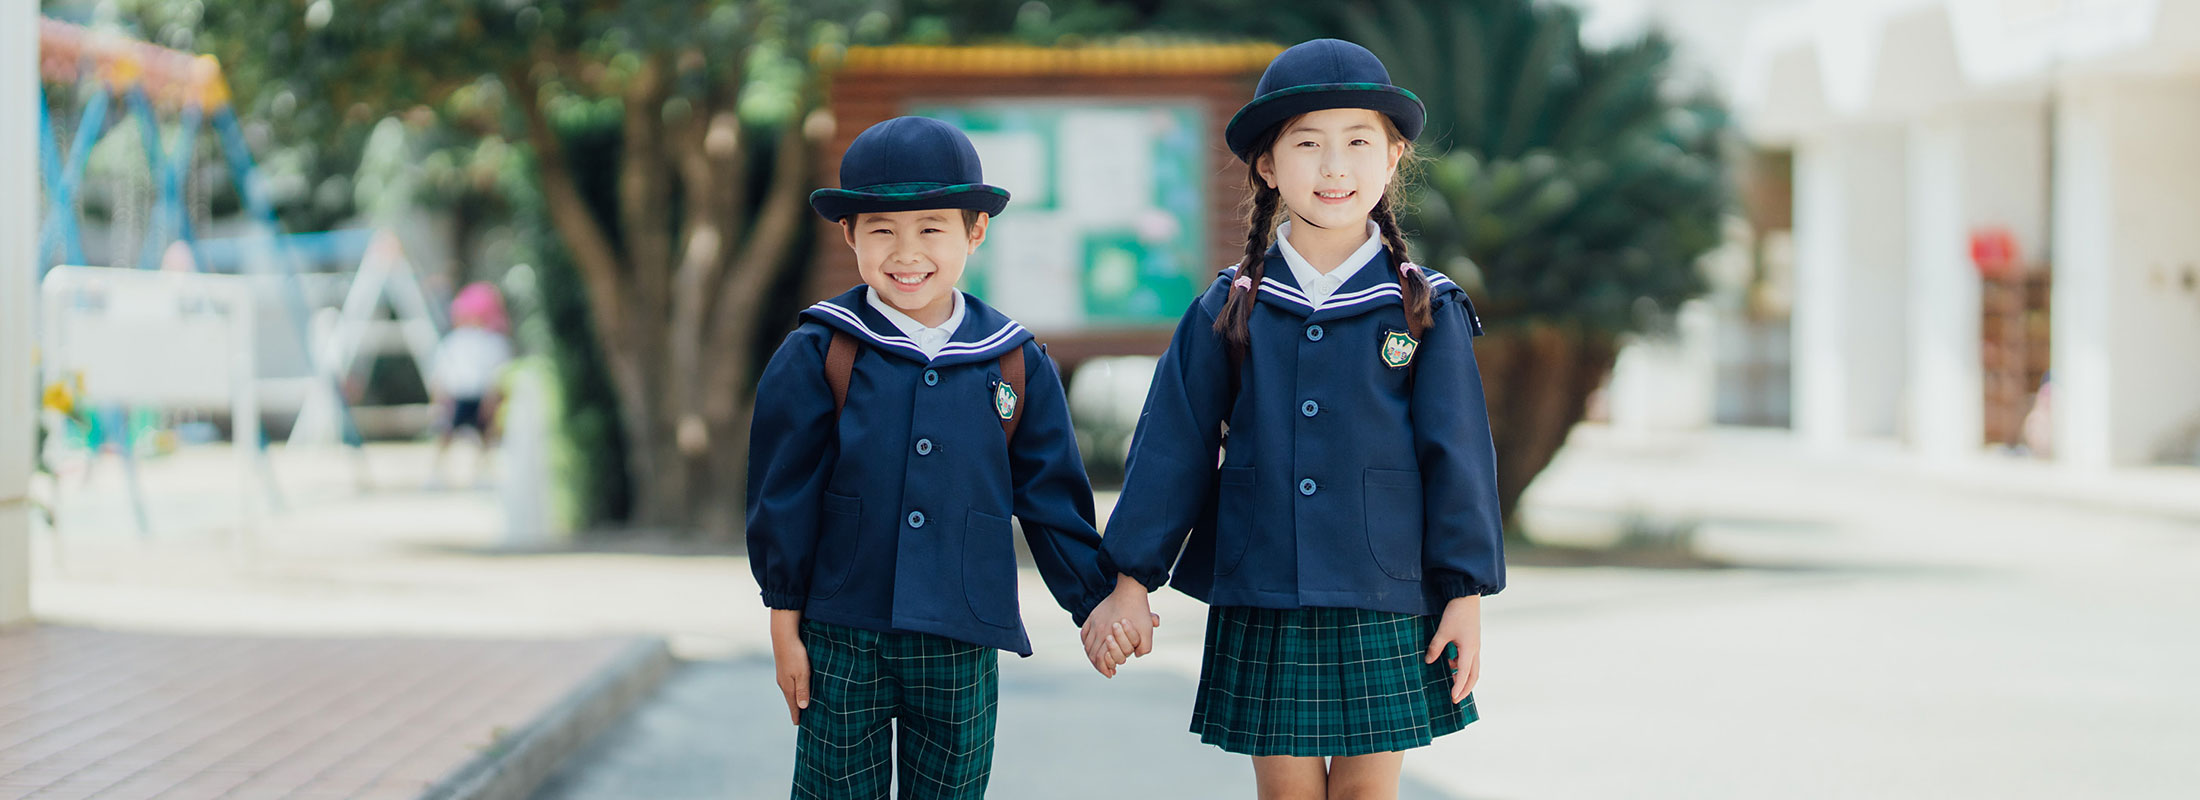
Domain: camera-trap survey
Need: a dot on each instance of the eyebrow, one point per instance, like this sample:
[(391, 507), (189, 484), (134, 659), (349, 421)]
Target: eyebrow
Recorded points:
[(1311, 129)]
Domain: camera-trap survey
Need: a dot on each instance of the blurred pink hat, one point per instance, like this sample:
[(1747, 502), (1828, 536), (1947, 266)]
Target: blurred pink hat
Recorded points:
[(483, 304)]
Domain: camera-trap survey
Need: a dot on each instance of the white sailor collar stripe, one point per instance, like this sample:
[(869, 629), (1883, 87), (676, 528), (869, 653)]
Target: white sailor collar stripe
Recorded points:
[(1287, 296), (966, 345)]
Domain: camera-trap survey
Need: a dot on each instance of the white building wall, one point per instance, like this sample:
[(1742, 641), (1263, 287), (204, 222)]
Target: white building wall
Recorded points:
[(19, 213), (2127, 318)]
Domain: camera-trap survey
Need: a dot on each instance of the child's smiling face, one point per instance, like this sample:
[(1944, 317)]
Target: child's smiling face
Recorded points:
[(1330, 166), (914, 258)]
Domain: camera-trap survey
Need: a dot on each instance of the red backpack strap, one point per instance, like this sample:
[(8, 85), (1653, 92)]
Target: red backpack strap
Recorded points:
[(1012, 373), (840, 363)]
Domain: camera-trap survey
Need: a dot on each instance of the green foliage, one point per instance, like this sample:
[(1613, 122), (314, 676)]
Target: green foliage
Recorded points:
[(1565, 185), (312, 77), (1038, 23), (1569, 187)]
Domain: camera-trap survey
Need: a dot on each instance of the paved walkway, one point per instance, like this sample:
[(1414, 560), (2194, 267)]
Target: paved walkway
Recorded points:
[(719, 730), (99, 714), (1786, 625), (363, 644)]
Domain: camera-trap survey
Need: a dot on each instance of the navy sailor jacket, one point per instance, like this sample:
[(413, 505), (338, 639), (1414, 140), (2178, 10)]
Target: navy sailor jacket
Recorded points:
[(1357, 470), (894, 517)]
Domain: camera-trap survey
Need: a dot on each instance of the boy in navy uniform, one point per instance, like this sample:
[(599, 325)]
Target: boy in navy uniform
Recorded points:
[(896, 431)]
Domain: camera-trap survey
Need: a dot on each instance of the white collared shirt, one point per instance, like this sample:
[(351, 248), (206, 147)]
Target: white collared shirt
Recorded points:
[(1316, 286), (930, 340)]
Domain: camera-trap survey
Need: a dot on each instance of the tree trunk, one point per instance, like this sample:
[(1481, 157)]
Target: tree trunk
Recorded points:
[(721, 511), (1538, 379), (675, 301)]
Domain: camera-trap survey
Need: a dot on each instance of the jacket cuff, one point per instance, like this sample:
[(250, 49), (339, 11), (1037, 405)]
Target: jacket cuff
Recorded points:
[(789, 601), (1084, 606), (1153, 580), (1453, 585)]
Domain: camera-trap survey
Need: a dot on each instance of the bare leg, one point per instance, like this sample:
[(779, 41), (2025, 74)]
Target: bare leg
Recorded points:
[(442, 449), (440, 409), (1290, 777), (1370, 777), (485, 426)]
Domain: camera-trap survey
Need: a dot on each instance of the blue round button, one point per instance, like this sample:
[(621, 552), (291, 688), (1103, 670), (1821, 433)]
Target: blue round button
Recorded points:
[(924, 447), (1306, 487), (1310, 408), (931, 377), (916, 519), (1313, 333)]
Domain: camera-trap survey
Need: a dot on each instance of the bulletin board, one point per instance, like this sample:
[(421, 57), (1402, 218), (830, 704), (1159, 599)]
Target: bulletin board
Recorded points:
[(1106, 221)]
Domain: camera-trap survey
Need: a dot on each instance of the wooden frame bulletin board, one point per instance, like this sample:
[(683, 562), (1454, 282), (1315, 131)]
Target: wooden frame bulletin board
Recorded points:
[(1119, 275)]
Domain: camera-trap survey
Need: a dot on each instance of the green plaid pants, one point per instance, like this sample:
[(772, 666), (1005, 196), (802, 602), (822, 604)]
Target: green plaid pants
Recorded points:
[(941, 697)]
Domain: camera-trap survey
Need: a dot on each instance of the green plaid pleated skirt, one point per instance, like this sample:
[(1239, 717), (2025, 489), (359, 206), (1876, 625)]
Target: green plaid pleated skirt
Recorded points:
[(1322, 682)]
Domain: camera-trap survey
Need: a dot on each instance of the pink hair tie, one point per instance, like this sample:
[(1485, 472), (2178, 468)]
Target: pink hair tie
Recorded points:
[(1410, 267), (1243, 283)]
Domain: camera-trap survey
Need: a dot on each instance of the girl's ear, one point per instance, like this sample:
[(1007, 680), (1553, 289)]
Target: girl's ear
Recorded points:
[(1397, 152), (977, 230), (1266, 166)]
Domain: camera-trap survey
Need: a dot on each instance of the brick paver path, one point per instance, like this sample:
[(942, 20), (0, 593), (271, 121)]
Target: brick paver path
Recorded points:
[(90, 713)]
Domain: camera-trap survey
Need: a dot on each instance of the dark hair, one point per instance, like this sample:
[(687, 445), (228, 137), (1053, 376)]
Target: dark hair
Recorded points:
[(970, 219), (1232, 324)]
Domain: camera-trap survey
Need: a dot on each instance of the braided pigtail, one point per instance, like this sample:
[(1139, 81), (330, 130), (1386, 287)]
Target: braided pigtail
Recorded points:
[(1234, 324), (1412, 285)]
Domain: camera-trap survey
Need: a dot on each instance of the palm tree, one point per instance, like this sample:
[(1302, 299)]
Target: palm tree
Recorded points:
[(1568, 190)]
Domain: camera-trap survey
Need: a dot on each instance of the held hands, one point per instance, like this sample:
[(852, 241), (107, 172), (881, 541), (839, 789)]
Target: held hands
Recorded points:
[(1461, 625), (791, 661), (1120, 627)]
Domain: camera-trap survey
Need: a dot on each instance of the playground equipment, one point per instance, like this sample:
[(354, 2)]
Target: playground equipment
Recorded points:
[(385, 275), (147, 80)]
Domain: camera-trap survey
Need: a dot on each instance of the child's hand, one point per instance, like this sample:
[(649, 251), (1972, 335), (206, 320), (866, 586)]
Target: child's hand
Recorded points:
[(791, 661), (1120, 628), (1118, 643), (1461, 625)]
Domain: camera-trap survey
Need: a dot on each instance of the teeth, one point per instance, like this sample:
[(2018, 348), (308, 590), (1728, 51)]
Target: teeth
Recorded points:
[(1334, 195), (909, 280)]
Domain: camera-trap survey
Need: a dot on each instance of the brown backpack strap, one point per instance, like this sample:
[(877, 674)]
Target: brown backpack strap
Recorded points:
[(1012, 373), (840, 362)]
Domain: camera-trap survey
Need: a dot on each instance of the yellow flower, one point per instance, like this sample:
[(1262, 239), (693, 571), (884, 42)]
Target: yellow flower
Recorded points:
[(58, 398)]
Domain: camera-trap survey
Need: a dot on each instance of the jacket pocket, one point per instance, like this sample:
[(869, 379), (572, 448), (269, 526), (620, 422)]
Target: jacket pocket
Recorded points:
[(839, 533), (989, 570), (1393, 519), (1235, 517)]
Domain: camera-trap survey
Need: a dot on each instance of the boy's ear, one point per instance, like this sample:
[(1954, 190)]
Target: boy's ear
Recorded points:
[(848, 230), (977, 229)]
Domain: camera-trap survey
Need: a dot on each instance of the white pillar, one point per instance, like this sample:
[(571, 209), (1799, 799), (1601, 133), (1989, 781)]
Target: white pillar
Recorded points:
[(1851, 244), (1947, 405), (1668, 381), (2126, 311), (19, 212), (1974, 167)]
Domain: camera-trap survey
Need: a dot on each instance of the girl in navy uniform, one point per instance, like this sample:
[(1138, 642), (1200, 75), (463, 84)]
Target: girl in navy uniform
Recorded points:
[(1351, 527), (896, 431)]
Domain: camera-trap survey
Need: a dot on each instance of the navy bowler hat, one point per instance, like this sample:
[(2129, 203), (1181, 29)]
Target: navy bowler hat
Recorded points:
[(905, 164), (1317, 75)]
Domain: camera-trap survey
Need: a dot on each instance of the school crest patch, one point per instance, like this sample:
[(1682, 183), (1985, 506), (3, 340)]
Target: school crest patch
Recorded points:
[(1398, 347), (1004, 400)]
